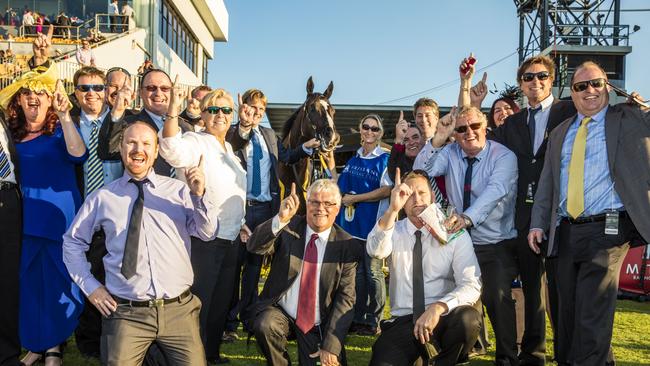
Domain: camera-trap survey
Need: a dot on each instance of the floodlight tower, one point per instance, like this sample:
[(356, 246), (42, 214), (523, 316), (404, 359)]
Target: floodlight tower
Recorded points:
[(573, 31)]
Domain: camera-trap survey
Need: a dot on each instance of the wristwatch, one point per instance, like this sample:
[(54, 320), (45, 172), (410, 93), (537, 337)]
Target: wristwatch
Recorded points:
[(468, 221)]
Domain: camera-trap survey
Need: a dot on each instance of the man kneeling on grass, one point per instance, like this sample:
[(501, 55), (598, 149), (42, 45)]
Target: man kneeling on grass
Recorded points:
[(432, 284)]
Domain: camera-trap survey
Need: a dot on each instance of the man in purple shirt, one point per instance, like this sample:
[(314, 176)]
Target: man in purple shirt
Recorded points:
[(148, 270)]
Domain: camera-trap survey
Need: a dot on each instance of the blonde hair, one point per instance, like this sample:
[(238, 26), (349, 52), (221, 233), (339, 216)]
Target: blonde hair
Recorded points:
[(472, 110), (212, 97)]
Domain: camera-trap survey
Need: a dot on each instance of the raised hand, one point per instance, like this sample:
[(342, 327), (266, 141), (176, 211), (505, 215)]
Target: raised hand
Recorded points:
[(289, 205), (445, 128), (176, 98), (41, 46), (400, 128), (60, 102), (246, 114), (123, 99), (193, 104), (465, 64), (478, 92), (195, 178), (400, 193)]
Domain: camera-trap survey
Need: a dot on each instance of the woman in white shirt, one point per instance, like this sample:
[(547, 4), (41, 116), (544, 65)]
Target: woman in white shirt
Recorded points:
[(225, 179)]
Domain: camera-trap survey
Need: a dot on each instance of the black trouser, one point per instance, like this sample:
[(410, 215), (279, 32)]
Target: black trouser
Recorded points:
[(588, 269), (272, 328), (213, 263), (498, 263), (531, 271), (550, 264), (255, 214), (10, 237), (115, 21), (454, 335), (89, 331)]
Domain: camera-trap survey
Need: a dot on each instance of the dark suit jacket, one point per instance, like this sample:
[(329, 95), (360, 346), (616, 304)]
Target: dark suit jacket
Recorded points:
[(110, 137), (627, 136), (337, 275), (277, 151), (514, 134), (12, 150)]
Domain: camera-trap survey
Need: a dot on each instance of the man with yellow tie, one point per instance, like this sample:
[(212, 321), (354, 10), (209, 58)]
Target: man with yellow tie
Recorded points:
[(593, 201)]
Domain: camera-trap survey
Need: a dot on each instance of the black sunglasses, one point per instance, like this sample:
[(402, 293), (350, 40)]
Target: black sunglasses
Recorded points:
[(373, 129), (215, 110), (583, 85), (541, 76), (153, 88), (474, 126), (85, 88)]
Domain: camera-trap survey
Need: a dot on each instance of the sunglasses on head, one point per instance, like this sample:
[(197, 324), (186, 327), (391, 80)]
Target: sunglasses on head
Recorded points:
[(153, 88), (85, 88), (113, 69), (541, 76), (368, 127), (215, 110), (583, 85), (474, 126)]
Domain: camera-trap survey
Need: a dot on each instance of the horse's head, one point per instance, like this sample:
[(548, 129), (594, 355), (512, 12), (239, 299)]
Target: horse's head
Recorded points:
[(319, 117)]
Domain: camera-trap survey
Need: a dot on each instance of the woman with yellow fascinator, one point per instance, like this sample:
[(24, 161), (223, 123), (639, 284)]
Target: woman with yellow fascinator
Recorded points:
[(48, 146)]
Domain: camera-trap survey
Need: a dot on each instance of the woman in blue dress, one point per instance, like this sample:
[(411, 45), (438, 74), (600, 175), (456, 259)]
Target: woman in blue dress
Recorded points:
[(365, 186), (48, 146)]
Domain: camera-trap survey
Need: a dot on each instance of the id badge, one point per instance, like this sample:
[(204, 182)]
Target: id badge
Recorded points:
[(530, 195), (611, 222)]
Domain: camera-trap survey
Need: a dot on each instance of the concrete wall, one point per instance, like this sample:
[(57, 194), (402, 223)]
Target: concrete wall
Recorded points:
[(166, 59), (122, 52)]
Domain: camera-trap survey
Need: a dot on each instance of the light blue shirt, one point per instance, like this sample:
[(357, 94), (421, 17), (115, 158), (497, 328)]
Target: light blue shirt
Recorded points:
[(494, 189), (112, 168), (541, 121), (170, 215), (600, 194)]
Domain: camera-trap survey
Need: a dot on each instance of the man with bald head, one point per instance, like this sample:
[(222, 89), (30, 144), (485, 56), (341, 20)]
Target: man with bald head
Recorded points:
[(593, 203), (147, 294)]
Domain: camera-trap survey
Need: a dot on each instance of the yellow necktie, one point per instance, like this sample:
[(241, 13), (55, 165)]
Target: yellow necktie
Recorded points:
[(576, 195)]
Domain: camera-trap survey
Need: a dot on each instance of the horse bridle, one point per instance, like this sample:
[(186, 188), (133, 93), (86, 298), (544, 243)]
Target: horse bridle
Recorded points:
[(318, 136)]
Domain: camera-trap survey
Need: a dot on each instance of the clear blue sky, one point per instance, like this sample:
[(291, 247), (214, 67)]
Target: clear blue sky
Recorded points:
[(377, 51)]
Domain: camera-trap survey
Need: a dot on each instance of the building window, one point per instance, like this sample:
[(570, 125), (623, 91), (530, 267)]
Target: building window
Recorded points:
[(176, 34), (205, 68)]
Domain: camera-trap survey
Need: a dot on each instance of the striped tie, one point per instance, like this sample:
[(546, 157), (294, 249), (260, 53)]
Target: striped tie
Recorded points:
[(5, 169), (94, 168)]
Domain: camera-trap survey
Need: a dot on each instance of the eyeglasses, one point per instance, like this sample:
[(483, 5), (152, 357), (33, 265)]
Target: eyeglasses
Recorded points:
[(541, 76), (215, 110), (85, 88), (474, 126), (153, 88), (327, 205), (583, 85), (373, 128)]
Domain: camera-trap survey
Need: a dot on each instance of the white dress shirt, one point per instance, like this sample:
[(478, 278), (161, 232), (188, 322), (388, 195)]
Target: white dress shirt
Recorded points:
[(289, 301), (5, 135), (541, 121), (451, 271), (225, 179)]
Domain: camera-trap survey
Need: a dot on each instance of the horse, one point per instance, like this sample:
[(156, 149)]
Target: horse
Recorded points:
[(313, 119)]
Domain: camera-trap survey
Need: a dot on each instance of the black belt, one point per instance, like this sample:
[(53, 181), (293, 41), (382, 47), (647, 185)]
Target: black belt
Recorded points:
[(594, 218), (7, 186), (257, 203), (152, 303)]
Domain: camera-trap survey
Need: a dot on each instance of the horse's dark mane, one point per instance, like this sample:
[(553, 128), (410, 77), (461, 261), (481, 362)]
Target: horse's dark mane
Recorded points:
[(286, 129)]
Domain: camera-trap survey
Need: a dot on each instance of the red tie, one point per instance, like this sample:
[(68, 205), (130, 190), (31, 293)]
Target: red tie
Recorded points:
[(306, 315)]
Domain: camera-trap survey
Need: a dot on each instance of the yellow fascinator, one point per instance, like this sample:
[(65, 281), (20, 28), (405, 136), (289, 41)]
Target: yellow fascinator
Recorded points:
[(38, 79)]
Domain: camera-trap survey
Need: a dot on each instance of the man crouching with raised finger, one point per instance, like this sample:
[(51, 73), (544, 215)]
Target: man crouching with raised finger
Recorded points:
[(432, 284), (310, 289)]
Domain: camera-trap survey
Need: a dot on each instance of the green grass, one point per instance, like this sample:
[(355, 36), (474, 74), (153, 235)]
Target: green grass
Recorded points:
[(631, 343)]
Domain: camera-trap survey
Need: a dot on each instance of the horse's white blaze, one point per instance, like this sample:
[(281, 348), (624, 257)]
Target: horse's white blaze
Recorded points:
[(330, 121)]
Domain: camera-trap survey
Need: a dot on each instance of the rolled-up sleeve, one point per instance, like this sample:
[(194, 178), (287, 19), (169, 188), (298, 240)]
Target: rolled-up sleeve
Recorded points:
[(380, 242)]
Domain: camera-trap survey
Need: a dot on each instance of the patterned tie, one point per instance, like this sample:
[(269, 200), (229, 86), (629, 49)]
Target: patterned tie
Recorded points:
[(130, 256), (531, 125), (5, 169), (256, 188), (418, 278), (94, 168), (306, 315), (467, 187), (576, 194)]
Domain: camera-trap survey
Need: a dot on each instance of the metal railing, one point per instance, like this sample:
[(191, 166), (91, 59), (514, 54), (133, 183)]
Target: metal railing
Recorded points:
[(590, 34), (60, 31), (108, 23)]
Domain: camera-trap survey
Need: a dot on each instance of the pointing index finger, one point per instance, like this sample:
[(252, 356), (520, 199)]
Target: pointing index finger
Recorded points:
[(239, 99), (175, 81), (398, 178), (200, 165), (293, 189), (484, 80), (401, 116)]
